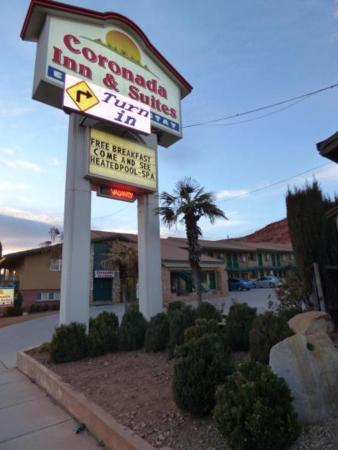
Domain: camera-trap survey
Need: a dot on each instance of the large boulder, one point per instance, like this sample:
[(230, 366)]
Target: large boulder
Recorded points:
[(309, 365), (311, 322)]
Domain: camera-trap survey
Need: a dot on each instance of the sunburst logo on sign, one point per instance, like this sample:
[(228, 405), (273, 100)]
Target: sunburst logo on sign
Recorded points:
[(123, 45)]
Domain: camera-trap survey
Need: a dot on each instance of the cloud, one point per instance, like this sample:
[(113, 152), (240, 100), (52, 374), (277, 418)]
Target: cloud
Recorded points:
[(231, 193), (50, 219), (7, 151), (336, 8), (9, 186), (20, 164), (20, 234)]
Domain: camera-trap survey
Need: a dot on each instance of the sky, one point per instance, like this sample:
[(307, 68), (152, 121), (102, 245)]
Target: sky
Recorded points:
[(237, 55)]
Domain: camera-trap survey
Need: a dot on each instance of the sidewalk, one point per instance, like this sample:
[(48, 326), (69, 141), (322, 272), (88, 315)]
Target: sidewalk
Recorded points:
[(29, 419)]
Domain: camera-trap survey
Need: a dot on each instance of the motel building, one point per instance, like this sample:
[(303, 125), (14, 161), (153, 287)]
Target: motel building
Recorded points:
[(37, 272)]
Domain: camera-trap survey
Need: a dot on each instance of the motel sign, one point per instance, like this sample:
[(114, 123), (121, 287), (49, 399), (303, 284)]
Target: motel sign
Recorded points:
[(123, 99)]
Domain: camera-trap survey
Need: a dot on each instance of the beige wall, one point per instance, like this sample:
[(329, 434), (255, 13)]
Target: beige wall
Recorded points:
[(36, 273)]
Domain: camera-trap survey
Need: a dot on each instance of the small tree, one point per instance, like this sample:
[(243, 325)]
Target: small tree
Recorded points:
[(123, 256), (314, 238), (188, 204)]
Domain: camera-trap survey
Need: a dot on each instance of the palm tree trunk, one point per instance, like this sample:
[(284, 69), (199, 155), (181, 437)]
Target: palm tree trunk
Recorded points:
[(124, 297), (198, 286)]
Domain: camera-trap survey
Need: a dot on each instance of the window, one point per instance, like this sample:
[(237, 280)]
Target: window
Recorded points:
[(55, 265), (181, 282), (267, 257), (208, 280), (252, 257), (243, 258), (48, 296)]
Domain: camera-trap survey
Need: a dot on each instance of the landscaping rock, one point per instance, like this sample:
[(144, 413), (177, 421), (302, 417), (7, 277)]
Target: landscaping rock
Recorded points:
[(311, 322), (309, 365)]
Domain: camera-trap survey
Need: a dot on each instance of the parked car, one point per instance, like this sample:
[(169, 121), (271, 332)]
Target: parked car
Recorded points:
[(238, 284), (268, 282), (251, 283)]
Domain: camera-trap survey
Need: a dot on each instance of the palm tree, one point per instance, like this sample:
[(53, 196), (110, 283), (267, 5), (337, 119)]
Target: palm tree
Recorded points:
[(122, 256), (187, 205)]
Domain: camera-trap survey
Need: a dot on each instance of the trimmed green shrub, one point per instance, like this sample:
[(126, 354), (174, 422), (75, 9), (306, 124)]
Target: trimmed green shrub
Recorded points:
[(288, 313), (134, 307), (267, 330), (174, 306), (201, 327), (254, 410), (103, 334), (237, 326), (208, 311), (179, 321), (200, 365), (132, 330), (157, 334), (39, 307), (69, 343)]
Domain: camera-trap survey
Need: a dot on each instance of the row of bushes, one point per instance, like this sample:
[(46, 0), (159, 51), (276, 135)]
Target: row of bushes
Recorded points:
[(42, 307), (105, 334), (252, 407), (72, 342)]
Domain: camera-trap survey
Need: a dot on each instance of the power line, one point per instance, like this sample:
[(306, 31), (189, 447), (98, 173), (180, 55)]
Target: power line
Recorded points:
[(276, 183), (262, 108)]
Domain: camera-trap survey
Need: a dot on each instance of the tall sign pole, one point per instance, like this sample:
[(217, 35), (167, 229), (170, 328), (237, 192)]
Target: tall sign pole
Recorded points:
[(149, 250), (124, 99), (74, 304)]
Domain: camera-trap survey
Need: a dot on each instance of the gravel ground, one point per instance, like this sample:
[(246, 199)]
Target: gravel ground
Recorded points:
[(135, 388), (323, 436)]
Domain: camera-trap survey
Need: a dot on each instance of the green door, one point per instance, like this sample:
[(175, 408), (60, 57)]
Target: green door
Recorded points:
[(260, 259), (102, 290), (273, 260)]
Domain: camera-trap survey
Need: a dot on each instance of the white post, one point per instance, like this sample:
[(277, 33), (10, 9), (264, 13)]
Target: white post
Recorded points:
[(149, 250), (74, 305)]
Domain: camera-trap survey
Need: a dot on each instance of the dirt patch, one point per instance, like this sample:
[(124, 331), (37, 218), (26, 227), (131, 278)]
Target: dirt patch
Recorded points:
[(135, 388)]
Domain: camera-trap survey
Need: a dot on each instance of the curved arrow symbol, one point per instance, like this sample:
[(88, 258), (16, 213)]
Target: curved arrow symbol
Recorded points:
[(87, 94)]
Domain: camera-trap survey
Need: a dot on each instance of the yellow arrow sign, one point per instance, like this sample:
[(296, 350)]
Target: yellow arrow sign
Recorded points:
[(83, 97)]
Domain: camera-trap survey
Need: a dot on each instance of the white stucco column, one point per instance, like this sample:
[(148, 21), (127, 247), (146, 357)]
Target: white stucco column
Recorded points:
[(74, 304), (149, 250)]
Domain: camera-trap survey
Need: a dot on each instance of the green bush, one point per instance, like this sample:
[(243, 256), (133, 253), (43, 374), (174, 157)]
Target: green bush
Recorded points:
[(288, 313), (103, 334), (179, 321), (69, 343), (200, 365), (39, 307), (254, 410), (201, 327), (238, 325), (208, 311), (132, 330), (174, 306), (267, 330), (157, 334), (134, 307)]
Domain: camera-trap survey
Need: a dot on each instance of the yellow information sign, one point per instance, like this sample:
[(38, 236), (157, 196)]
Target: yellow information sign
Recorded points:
[(6, 297), (115, 159), (83, 97)]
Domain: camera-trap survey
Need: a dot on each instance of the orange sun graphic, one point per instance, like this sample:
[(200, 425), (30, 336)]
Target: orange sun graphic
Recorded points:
[(123, 44)]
